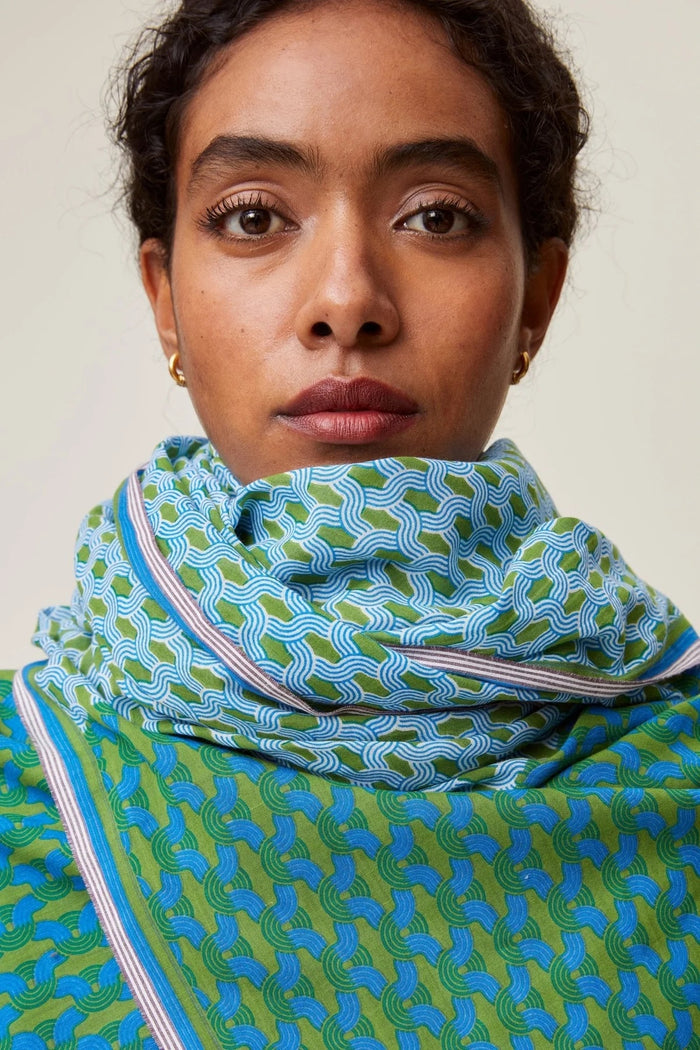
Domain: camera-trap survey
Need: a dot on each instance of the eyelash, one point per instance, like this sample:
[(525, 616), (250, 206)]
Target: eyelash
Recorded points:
[(214, 217), (477, 221)]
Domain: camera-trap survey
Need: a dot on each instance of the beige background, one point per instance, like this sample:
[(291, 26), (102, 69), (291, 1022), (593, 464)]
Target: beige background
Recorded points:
[(608, 415)]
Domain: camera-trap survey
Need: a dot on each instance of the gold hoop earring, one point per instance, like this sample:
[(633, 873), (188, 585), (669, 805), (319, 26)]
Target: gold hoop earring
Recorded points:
[(175, 371), (522, 369)]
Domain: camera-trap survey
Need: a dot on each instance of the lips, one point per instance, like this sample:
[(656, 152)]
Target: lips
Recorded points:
[(355, 395), (357, 411)]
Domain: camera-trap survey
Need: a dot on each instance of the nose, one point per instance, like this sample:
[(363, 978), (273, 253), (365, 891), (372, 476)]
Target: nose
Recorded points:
[(346, 298)]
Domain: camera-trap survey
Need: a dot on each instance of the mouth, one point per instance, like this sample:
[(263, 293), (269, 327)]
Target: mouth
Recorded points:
[(349, 412)]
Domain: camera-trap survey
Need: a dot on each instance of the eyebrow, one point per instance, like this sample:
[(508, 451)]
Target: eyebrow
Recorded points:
[(228, 151), (460, 154)]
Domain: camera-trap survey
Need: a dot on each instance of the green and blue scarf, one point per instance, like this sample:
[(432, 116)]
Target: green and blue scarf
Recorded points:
[(384, 754)]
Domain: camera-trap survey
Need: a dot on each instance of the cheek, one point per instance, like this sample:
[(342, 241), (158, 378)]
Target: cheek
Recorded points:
[(222, 321), (495, 297), (480, 326)]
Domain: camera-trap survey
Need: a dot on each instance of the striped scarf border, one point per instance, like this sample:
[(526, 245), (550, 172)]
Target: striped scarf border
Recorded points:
[(148, 983), (453, 661), (531, 676)]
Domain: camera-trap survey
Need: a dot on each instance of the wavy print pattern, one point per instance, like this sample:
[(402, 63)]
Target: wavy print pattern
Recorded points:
[(342, 619), (296, 831), (292, 911)]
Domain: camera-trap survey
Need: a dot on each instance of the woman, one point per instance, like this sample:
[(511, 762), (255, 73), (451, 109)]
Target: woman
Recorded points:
[(348, 738)]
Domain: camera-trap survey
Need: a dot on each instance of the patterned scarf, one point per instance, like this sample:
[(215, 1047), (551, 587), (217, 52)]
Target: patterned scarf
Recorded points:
[(261, 673)]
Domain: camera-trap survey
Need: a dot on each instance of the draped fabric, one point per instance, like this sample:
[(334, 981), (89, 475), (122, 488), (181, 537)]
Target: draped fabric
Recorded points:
[(375, 755)]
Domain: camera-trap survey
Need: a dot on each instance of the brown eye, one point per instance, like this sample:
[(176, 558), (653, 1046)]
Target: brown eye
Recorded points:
[(438, 220), (441, 220), (246, 221), (255, 221)]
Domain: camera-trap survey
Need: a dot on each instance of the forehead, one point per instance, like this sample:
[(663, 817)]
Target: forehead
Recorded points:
[(344, 81)]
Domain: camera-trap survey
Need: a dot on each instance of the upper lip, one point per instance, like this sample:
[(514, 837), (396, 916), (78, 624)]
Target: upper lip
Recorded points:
[(354, 395)]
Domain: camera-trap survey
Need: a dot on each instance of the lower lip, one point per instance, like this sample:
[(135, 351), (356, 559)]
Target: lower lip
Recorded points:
[(350, 428)]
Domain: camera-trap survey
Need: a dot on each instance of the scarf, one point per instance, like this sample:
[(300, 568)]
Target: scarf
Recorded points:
[(373, 755)]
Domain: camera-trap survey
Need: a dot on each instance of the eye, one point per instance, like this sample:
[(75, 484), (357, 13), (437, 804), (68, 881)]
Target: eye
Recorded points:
[(434, 220), (444, 218), (253, 222), (243, 218)]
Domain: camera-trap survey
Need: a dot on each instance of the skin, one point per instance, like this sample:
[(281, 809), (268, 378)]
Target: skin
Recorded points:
[(352, 279)]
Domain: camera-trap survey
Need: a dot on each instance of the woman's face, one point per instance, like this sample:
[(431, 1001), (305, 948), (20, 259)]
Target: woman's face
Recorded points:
[(347, 277)]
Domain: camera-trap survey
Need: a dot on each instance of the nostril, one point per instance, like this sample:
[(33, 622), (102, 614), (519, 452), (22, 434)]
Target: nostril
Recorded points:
[(321, 328), (371, 328)]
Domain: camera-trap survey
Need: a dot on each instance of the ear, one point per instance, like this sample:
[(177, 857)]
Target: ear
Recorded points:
[(156, 281), (542, 290)]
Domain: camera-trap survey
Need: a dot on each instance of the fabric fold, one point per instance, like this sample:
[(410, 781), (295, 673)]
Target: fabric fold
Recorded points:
[(386, 754), (403, 623)]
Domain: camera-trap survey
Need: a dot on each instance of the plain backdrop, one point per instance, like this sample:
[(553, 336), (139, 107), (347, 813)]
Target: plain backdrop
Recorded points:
[(608, 414)]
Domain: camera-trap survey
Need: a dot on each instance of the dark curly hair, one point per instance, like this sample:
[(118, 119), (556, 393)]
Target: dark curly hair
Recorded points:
[(504, 39)]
